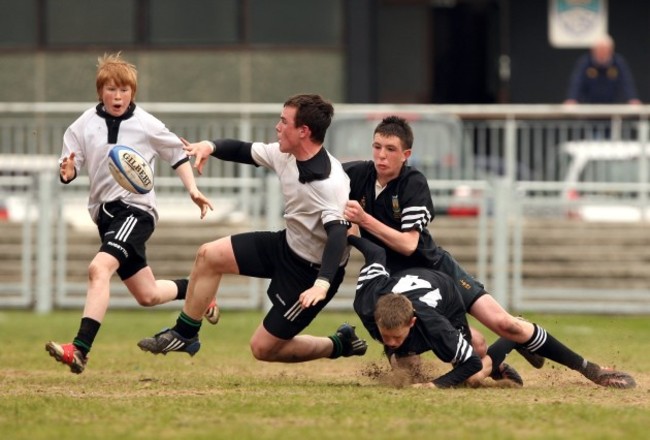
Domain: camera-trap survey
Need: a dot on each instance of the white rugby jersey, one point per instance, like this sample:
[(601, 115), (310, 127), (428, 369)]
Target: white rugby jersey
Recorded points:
[(307, 206), (87, 137)]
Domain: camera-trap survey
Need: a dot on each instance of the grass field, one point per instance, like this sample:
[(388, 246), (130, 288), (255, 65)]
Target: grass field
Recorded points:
[(223, 393)]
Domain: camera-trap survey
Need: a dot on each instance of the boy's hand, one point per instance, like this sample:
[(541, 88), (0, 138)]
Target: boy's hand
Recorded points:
[(354, 212), (202, 202), (67, 170), (200, 150), (312, 296)]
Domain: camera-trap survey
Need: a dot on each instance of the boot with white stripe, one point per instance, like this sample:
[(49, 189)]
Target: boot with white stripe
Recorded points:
[(168, 340)]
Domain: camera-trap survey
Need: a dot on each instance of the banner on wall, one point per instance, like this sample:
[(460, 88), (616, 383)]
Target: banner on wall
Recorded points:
[(576, 23)]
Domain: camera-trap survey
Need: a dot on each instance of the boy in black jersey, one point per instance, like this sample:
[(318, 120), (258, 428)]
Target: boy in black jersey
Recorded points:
[(391, 203), (417, 310)]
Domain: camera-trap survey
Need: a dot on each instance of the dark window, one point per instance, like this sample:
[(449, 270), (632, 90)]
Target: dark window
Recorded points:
[(90, 22), (195, 22), (18, 23), (57, 24), (295, 22)]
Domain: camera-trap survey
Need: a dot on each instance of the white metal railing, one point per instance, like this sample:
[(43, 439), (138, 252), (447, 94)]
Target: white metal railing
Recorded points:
[(518, 148), (68, 215), (606, 297), (520, 142)]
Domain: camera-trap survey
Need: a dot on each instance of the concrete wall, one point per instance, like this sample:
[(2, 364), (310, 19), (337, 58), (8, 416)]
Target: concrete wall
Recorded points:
[(178, 76)]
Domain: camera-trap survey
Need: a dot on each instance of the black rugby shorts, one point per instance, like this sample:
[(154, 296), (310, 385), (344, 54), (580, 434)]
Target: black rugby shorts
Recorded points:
[(267, 255), (124, 231)]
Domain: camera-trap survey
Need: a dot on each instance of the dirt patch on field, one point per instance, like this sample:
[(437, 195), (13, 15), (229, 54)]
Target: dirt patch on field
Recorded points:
[(553, 383), (539, 385)]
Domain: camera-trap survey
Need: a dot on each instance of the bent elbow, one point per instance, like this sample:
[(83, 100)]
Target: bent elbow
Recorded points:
[(408, 249)]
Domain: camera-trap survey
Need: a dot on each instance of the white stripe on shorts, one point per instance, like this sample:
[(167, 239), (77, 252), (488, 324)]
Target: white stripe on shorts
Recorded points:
[(293, 311), (126, 229)]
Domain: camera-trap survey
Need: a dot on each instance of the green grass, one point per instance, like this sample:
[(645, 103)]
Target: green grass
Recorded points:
[(223, 393)]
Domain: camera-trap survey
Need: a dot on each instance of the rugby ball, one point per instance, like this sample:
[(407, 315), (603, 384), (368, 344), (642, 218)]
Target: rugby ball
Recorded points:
[(130, 169)]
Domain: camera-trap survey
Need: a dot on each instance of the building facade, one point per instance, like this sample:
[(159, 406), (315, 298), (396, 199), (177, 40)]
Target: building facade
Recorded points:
[(355, 51)]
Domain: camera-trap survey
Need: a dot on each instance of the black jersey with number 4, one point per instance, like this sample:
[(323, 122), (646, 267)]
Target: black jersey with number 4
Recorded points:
[(441, 324), (404, 204)]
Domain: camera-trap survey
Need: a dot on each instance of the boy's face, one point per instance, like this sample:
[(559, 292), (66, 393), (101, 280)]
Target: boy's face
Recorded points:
[(289, 135), (395, 337), (388, 156), (116, 99)]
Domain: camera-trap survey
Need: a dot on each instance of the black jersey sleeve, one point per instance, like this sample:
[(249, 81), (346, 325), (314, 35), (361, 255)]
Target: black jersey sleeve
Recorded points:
[(448, 344), (334, 248), (234, 151), (374, 281), (416, 204), (372, 253), (460, 373)]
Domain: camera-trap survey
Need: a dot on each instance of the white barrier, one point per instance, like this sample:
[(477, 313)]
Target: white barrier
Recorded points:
[(516, 134)]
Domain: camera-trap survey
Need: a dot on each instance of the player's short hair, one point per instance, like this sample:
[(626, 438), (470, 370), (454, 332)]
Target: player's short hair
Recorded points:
[(112, 67), (393, 311), (314, 112), (396, 126)]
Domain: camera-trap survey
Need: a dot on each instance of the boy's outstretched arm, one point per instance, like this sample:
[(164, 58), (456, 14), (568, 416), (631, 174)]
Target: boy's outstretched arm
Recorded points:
[(185, 173)]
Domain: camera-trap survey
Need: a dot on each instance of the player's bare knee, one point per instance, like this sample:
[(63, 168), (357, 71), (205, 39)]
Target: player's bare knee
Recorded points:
[(97, 272), (202, 254), (260, 352), (207, 257), (147, 300)]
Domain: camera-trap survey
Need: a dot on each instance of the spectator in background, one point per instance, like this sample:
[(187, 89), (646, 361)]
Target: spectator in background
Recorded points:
[(602, 77)]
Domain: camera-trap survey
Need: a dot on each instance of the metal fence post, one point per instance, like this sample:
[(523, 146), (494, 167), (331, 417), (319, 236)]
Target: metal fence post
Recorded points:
[(246, 134), (502, 204), (510, 143), (44, 238), (500, 255), (644, 175)]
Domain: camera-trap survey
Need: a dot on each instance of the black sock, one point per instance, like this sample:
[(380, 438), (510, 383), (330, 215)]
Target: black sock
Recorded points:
[(86, 335), (181, 286), (337, 350), (546, 345), (590, 370), (186, 326), (498, 352)]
